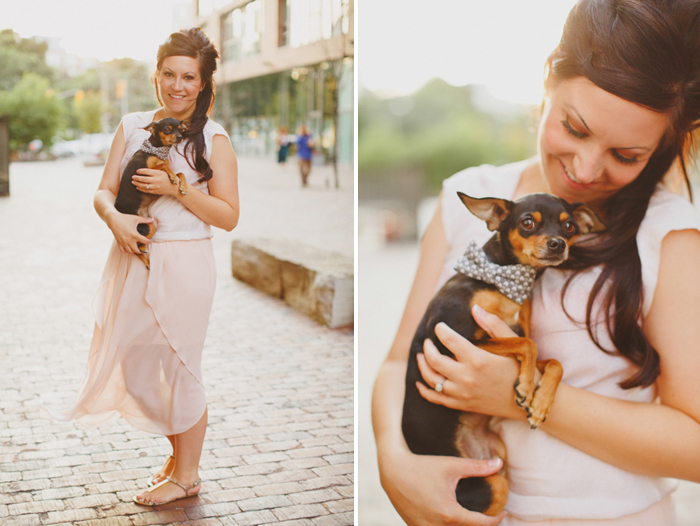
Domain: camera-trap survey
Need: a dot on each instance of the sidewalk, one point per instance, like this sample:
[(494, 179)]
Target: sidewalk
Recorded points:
[(279, 446)]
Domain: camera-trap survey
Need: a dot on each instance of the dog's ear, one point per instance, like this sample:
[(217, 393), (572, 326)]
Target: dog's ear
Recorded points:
[(489, 209), (150, 127), (587, 219)]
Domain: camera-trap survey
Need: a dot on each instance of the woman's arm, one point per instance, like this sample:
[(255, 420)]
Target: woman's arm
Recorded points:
[(658, 439), (220, 207), (653, 439), (123, 226), (421, 488)]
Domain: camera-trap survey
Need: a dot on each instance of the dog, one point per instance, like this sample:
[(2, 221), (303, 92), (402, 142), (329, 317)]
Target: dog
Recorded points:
[(152, 154), (531, 234)]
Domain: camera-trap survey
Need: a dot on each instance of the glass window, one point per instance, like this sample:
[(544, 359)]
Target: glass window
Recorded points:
[(204, 7), (241, 31), (308, 21)]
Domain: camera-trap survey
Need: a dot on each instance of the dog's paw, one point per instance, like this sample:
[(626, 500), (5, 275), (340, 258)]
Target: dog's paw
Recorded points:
[(519, 397), (538, 411), (536, 418), (523, 393)]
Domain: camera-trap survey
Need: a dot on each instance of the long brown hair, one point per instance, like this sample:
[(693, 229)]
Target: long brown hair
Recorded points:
[(194, 43), (646, 52)]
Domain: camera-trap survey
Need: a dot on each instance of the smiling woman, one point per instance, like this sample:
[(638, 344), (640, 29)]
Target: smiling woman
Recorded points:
[(145, 358), (586, 155), (622, 102)]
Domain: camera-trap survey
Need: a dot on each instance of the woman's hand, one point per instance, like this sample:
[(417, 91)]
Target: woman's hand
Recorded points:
[(422, 488), (123, 227), (476, 380), (154, 182)]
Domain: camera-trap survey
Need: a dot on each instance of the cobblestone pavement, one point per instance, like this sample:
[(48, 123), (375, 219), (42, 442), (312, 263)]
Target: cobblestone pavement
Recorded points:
[(386, 276), (280, 442)]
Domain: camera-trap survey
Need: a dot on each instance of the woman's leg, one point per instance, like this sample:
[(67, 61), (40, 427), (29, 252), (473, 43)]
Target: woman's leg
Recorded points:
[(167, 468), (187, 448)]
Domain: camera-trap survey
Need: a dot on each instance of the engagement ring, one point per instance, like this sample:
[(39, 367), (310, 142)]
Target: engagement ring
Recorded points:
[(438, 387)]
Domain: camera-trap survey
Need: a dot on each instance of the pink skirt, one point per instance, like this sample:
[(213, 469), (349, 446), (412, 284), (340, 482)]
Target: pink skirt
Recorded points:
[(145, 357)]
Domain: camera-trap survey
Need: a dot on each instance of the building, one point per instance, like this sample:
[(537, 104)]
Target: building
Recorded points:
[(283, 63)]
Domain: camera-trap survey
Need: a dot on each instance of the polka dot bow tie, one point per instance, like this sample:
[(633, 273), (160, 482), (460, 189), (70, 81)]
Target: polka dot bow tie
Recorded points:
[(161, 152), (513, 281)]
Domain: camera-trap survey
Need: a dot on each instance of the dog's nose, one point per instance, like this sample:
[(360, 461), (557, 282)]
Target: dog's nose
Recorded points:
[(556, 245)]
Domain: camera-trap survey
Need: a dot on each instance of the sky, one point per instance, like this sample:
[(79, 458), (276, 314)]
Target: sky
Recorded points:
[(401, 44), (101, 29), (502, 44)]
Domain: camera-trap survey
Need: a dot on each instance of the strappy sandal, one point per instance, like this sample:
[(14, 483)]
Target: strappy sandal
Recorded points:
[(161, 473), (186, 489)]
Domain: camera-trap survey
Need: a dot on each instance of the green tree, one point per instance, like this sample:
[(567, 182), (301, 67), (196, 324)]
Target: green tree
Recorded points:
[(435, 132), (88, 112), (19, 56), (34, 112)]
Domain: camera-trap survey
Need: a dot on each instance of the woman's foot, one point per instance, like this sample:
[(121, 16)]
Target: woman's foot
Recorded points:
[(164, 472), (167, 491)]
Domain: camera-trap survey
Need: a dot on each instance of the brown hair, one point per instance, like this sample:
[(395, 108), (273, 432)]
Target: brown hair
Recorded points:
[(646, 52), (194, 43)]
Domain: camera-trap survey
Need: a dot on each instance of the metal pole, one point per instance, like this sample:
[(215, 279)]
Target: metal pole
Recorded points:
[(4, 156)]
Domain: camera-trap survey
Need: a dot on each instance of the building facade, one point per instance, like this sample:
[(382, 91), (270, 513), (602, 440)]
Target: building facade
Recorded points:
[(284, 63)]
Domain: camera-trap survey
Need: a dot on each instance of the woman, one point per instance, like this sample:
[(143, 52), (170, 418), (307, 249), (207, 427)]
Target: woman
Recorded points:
[(282, 145), (145, 358), (622, 100), (305, 150)]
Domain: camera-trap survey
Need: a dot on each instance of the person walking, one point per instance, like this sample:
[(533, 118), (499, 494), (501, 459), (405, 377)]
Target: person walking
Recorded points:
[(282, 141), (145, 358), (305, 148)]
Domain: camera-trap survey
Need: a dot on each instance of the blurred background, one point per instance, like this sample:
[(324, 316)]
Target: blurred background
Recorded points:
[(71, 69), (443, 86)]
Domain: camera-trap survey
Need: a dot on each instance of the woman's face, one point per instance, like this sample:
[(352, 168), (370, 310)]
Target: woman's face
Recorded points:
[(592, 143), (179, 84)]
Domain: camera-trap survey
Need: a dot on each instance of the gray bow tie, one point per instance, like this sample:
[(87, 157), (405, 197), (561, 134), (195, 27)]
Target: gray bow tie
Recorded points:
[(513, 281), (161, 152)]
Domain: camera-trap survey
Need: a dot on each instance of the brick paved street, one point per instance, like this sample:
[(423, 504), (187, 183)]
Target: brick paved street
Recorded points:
[(279, 447)]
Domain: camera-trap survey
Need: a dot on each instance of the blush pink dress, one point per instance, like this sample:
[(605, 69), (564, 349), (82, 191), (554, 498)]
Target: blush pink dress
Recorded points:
[(551, 482), (145, 358)]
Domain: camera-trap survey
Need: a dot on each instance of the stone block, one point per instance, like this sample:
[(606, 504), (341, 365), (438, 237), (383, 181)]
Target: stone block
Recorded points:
[(316, 282)]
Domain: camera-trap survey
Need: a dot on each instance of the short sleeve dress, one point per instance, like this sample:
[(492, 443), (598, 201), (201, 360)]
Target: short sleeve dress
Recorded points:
[(550, 481), (145, 358)]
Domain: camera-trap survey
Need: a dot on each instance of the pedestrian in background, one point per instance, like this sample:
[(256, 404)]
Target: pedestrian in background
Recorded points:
[(305, 149), (145, 358), (282, 145)]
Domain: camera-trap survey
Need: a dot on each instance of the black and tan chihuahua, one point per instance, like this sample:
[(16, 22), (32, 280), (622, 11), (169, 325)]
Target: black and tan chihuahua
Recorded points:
[(531, 233), (152, 154)]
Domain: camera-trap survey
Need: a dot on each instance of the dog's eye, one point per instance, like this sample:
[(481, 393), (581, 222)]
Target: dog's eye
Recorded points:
[(570, 227), (527, 223)]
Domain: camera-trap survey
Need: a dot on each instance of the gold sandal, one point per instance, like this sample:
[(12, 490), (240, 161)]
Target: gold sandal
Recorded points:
[(186, 489), (161, 472)]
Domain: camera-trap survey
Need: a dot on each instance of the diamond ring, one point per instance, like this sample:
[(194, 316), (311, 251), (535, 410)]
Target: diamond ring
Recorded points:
[(438, 386)]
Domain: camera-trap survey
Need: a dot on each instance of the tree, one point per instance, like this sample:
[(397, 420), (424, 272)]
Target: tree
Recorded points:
[(34, 112), (88, 112), (436, 131), (19, 56)]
